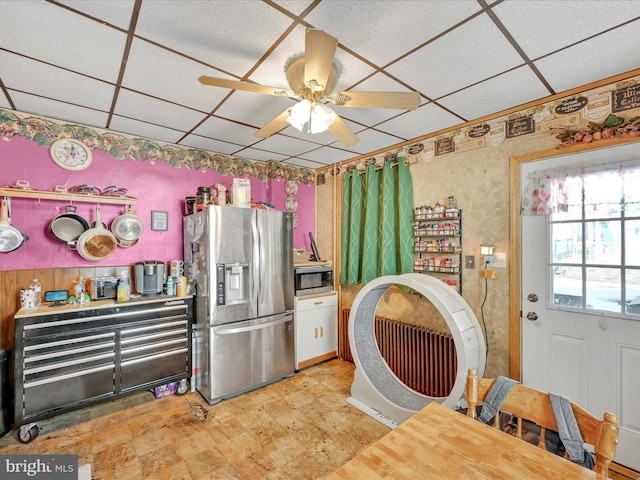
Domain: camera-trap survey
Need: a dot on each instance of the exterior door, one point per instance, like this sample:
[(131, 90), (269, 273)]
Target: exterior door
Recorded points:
[(591, 356)]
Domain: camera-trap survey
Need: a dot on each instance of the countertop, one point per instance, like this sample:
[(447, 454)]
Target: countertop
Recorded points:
[(311, 264), (50, 309)]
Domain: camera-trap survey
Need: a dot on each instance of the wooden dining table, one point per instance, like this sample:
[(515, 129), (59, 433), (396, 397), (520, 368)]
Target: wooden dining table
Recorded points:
[(440, 443)]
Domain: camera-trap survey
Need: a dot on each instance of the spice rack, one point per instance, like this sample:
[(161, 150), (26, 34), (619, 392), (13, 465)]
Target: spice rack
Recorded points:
[(438, 243)]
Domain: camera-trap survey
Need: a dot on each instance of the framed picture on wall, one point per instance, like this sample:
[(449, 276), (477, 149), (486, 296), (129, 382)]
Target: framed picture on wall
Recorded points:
[(159, 220)]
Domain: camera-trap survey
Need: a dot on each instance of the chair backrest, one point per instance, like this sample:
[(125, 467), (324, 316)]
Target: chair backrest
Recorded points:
[(531, 404)]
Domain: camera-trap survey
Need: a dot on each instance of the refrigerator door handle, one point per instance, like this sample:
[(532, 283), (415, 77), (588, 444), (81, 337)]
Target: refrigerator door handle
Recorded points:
[(255, 264), (230, 331)]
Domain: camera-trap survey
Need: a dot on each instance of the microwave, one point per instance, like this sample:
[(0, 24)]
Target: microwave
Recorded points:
[(103, 288), (311, 280)]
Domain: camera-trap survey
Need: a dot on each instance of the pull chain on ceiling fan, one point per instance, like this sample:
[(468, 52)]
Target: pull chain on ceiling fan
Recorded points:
[(312, 78)]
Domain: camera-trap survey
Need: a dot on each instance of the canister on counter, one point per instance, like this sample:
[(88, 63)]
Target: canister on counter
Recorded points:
[(203, 198), (181, 286)]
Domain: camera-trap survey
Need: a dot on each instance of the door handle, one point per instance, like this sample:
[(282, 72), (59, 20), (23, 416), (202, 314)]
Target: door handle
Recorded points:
[(321, 332), (533, 316), (316, 332), (532, 297)]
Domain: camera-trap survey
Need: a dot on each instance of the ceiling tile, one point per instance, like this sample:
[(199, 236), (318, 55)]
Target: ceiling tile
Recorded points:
[(39, 78), (148, 109), (61, 37), (543, 27), (117, 13), (144, 130), (592, 60), (422, 121), (327, 155), (300, 162), (58, 110), (230, 34), (4, 101), (294, 6), (285, 145), (382, 30), (215, 127), (261, 155), (516, 87), (371, 140), (209, 144), (473, 52), (158, 72)]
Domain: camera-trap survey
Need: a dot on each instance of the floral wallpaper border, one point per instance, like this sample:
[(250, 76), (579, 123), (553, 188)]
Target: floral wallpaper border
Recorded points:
[(44, 132)]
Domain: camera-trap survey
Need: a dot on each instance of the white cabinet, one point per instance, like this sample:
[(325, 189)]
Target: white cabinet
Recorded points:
[(316, 326)]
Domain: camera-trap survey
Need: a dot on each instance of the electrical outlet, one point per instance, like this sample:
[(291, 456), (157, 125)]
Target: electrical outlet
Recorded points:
[(499, 260), (469, 261)]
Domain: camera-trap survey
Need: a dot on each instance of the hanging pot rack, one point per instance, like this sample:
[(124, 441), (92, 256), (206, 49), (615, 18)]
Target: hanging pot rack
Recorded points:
[(65, 196)]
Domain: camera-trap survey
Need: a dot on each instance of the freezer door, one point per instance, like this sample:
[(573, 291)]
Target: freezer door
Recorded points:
[(245, 355), (225, 265), (274, 262)]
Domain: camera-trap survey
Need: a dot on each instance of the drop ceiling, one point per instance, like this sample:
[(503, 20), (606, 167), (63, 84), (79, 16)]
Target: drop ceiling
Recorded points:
[(132, 66)]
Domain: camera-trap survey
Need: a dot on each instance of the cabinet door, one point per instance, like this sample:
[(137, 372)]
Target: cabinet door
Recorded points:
[(316, 326), (328, 329), (306, 327)]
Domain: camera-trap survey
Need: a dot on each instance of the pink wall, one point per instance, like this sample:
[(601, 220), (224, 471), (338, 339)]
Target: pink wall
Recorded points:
[(156, 187)]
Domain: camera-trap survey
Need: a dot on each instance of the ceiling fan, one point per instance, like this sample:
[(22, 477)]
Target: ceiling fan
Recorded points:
[(312, 78)]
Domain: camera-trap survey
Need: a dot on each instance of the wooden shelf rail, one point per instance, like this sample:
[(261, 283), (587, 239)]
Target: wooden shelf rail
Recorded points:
[(65, 197)]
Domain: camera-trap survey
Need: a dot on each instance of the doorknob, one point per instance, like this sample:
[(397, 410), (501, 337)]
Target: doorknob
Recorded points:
[(533, 316), (532, 297)]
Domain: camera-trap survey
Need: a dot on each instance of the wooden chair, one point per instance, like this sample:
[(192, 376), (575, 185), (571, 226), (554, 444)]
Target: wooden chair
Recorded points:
[(531, 404)]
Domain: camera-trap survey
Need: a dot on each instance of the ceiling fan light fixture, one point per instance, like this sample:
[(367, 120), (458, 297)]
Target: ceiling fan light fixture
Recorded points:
[(321, 118), (300, 114)]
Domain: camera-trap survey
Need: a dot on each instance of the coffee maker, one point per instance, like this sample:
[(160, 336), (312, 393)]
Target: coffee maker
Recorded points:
[(149, 277)]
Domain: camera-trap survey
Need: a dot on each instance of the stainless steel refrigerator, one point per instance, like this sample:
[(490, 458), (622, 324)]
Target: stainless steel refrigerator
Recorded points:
[(241, 263)]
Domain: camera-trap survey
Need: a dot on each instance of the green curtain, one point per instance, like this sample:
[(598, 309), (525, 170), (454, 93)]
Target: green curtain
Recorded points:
[(377, 223)]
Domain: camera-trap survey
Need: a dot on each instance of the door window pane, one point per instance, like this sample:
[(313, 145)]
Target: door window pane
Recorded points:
[(632, 291), (567, 286), (603, 287), (632, 243), (566, 241), (603, 243)]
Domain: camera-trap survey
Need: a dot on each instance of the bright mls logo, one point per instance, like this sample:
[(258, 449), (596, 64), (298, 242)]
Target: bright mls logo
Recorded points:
[(39, 467)]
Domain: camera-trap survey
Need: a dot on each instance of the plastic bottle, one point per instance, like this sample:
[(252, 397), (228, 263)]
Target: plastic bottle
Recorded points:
[(171, 287), (37, 288)]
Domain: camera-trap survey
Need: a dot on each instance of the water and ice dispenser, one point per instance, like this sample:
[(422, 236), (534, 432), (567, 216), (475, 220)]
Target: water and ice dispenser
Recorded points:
[(232, 283)]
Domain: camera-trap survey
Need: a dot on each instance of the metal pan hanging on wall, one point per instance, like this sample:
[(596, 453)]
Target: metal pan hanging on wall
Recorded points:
[(10, 237), (97, 243), (67, 227), (127, 227)]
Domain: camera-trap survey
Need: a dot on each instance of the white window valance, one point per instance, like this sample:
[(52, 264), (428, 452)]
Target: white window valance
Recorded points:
[(548, 190)]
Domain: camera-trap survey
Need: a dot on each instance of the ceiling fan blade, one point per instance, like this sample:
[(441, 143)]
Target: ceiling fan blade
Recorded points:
[(396, 100), (343, 133), (274, 125), (249, 87), (319, 50)]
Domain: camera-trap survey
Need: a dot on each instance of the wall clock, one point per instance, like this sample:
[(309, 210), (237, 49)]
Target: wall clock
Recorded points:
[(70, 154)]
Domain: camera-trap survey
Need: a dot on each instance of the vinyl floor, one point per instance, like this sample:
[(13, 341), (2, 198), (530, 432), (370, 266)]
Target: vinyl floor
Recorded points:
[(298, 428)]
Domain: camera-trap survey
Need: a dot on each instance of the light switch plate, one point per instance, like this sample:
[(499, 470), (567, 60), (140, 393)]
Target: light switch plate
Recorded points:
[(469, 261)]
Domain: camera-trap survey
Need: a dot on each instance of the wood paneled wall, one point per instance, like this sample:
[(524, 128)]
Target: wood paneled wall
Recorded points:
[(11, 281)]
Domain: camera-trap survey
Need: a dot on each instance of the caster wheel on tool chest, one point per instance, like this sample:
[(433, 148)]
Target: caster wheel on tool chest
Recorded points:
[(183, 387), (28, 433)]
